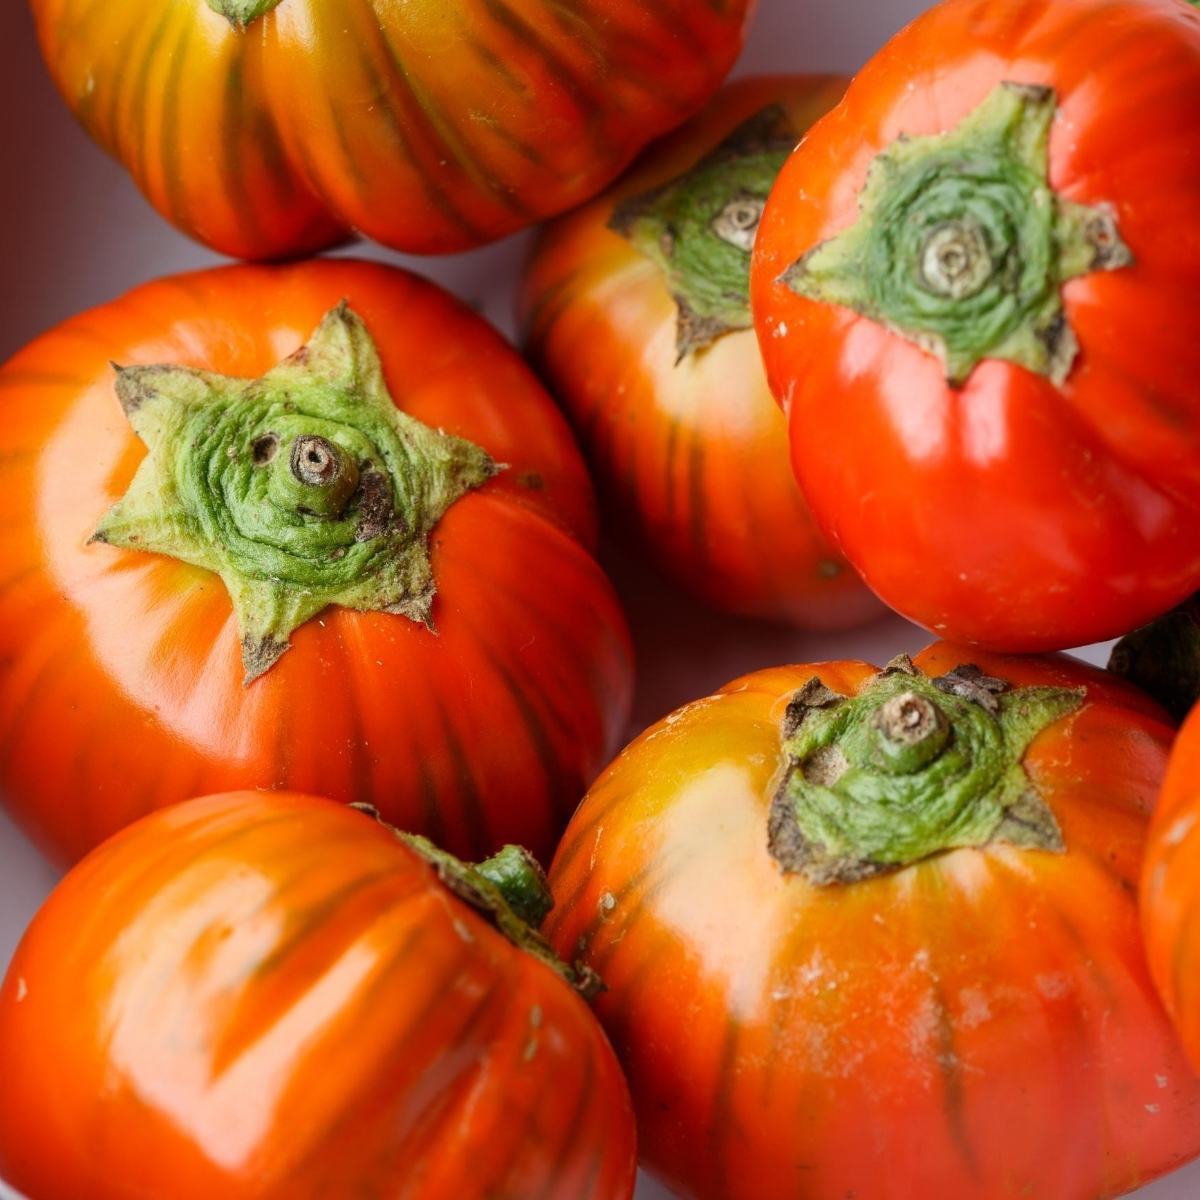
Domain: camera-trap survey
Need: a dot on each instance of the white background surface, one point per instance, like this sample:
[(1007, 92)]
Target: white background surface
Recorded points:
[(74, 232)]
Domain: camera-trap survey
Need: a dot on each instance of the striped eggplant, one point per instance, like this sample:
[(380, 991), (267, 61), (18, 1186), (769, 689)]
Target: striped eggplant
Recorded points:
[(637, 314), (272, 128), (272, 997), (339, 542), (875, 933)]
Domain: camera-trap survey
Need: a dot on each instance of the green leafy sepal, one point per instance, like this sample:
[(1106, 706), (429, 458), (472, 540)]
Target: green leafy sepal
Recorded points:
[(909, 768), (305, 488)]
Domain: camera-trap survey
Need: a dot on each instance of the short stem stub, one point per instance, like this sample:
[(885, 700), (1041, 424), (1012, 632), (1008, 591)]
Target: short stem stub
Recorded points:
[(509, 890), (316, 461), (911, 729), (319, 478), (955, 260), (521, 881), (908, 768)]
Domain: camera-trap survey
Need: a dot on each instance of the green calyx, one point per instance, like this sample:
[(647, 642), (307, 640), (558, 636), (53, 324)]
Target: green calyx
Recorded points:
[(963, 247), (242, 13), (510, 891), (909, 768), (1163, 658), (305, 488), (699, 229), (521, 881)]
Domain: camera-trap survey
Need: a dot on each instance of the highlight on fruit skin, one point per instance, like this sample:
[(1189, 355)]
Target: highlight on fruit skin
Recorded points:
[(877, 929), (270, 995), (272, 129)]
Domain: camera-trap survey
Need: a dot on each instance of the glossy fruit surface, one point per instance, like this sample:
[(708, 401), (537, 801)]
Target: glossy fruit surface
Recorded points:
[(122, 687), (430, 127), (792, 1003), (652, 352), (268, 995), (1171, 889), (986, 254)]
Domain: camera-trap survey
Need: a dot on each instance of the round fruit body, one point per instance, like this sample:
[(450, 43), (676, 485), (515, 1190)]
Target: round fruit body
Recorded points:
[(273, 128), (268, 995), (125, 665), (973, 279), (1171, 889), (659, 369), (798, 1012)]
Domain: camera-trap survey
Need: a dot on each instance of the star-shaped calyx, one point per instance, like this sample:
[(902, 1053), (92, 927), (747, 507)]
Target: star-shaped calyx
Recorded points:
[(963, 247), (305, 488), (908, 768), (699, 229)]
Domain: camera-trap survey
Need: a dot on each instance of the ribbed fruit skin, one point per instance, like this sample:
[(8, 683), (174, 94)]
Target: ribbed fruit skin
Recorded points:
[(121, 680), (1010, 512), (980, 1025), (428, 126), (269, 997)]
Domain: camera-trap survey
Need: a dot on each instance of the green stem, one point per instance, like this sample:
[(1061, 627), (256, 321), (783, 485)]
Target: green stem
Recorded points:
[(242, 13), (509, 890), (1163, 658), (908, 768), (320, 480), (522, 883), (962, 246)]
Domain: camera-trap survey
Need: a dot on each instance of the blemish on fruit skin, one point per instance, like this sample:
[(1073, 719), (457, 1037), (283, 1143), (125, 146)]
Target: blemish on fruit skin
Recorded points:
[(608, 903), (1054, 986), (535, 1023), (976, 1008)]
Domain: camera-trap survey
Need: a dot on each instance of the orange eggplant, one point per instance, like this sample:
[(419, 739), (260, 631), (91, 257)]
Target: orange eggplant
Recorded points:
[(874, 934), (271, 996)]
